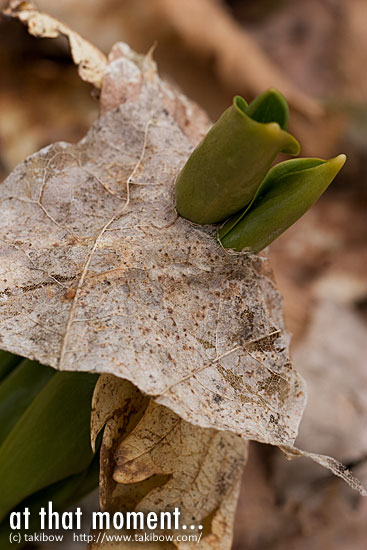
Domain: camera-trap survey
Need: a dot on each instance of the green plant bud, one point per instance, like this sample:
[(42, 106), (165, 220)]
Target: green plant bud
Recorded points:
[(288, 191), (7, 362), (223, 173), (51, 440)]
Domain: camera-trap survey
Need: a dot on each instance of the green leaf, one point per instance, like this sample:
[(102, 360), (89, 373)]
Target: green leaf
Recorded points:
[(287, 192), (62, 494), (50, 442), (18, 390), (223, 173), (7, 362), (273, 176)]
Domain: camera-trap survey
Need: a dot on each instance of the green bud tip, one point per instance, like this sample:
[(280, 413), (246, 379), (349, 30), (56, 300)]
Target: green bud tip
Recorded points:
[(289, 189)]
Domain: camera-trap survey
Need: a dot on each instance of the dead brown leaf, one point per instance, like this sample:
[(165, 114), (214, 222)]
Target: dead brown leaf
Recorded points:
[(156, 300), (90, 61), (167, 463), (201, 464)]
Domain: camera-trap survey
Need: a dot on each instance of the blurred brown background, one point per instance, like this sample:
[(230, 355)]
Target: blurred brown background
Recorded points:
[(316, 53)]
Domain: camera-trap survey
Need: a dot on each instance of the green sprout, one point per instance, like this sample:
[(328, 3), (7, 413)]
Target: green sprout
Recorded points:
[(228, 177)]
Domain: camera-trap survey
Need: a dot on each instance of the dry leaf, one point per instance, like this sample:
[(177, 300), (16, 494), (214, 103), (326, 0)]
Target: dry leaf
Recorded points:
[(91, 62), (167, 463), (196, 460), (100, 275), (119, 405), (155, 300)]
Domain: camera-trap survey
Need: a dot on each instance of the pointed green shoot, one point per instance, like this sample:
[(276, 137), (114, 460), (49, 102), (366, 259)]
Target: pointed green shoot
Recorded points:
[(288, 191)]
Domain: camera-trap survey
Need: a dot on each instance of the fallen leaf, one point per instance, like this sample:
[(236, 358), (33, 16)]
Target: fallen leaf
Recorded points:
[(173, 464), (157, 301), (90, 61), (195, 459)]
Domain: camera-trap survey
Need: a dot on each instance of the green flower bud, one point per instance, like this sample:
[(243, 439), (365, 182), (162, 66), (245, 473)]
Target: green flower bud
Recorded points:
[(223, 173), (288, 191)]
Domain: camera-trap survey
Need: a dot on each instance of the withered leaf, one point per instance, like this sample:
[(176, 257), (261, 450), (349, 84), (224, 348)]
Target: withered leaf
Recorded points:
[(166, 463), (99, 274), (91, 62), (194, 459)]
